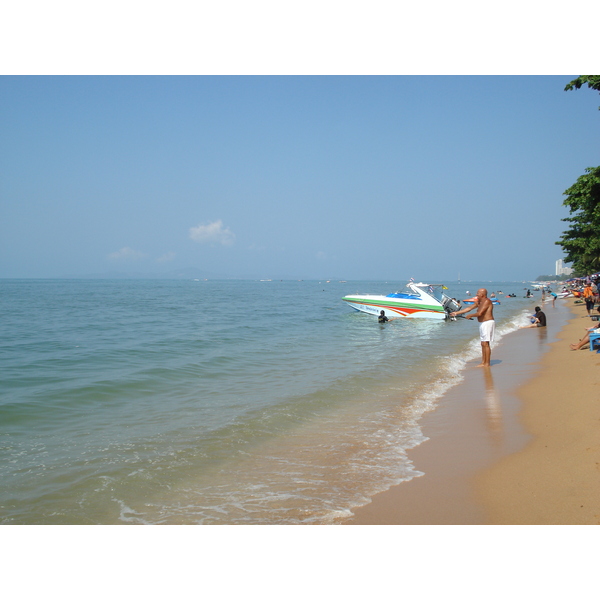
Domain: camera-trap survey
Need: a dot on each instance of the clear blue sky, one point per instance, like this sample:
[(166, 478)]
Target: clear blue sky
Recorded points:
[(346, 177)]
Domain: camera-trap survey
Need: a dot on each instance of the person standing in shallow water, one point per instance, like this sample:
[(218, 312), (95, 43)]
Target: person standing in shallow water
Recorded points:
[(487, 325)]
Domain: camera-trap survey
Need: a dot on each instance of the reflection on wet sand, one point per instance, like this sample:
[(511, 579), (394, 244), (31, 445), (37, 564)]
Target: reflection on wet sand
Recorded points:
[(493, 408), (542, 337)]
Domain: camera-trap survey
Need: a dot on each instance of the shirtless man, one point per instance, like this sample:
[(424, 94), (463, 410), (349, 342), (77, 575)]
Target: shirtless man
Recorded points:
[(487, 325)]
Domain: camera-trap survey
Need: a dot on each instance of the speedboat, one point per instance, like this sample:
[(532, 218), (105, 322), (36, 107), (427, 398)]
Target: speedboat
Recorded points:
[(425, 301)]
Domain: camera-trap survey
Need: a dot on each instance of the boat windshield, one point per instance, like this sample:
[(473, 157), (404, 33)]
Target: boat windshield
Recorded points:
[(434, 290), (438, 294)]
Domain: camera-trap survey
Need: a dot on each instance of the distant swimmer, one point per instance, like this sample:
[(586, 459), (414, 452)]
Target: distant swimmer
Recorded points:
[(487, 325)]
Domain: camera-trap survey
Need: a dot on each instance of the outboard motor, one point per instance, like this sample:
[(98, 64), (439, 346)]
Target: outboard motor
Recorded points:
[(450, 305)]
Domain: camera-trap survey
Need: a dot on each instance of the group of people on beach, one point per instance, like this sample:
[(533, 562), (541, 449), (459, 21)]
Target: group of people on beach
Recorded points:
[(487, 324), (485, 316), (589, 292), (591, 297)]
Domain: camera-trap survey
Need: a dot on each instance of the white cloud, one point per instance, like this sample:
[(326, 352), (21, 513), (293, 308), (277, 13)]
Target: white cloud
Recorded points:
[(213, 233), (166, 257), (126, 253)]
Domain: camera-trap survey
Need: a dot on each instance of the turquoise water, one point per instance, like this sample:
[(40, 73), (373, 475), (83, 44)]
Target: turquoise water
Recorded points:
[(162, 401)]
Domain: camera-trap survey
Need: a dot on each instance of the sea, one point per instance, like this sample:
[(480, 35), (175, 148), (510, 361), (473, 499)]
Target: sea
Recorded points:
[(217, 402)]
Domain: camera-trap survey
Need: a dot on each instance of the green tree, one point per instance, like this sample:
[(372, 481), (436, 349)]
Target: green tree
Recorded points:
[(581, 242), (593, 82)]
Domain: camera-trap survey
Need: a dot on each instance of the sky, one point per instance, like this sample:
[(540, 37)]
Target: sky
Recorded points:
[(293, 177)]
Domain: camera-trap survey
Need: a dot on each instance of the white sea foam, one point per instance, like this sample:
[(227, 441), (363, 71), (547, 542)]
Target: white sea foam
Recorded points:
[(129, 515)]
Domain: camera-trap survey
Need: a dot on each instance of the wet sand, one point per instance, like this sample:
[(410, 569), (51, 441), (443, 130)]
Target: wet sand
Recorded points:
[(504, 446)]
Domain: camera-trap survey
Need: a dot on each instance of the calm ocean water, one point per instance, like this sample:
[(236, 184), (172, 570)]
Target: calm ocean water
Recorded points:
[(162, 401)]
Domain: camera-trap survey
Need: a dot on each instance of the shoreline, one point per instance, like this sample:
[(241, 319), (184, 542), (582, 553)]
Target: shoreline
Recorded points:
[(484, 435), (555, 480)]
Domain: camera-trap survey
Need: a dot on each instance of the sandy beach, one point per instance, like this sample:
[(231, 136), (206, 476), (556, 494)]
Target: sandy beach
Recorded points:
[(514, 444)]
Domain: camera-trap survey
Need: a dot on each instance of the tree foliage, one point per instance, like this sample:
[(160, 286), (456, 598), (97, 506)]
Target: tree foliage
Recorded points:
[(581, 242), (553, 277), (593, 82)]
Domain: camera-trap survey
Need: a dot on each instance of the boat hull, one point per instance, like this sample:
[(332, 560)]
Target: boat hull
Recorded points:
[(373, 305)]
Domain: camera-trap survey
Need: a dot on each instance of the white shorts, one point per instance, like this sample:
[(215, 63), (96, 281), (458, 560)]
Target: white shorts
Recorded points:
[(486, 331)]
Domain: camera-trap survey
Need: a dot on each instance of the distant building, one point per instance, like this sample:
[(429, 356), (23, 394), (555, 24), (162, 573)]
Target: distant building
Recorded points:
[(562, 270)]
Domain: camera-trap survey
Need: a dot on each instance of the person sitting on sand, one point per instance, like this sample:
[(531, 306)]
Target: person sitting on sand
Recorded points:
[(585, 340), (539, 319)]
